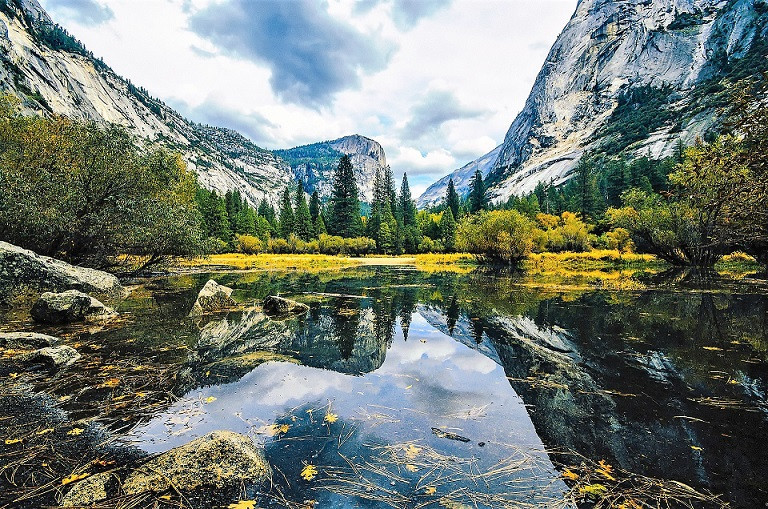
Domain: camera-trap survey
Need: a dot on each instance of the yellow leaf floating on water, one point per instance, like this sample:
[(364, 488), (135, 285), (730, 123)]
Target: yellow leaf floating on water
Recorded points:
[(430, 490), (44, 431), (75, 431), (696, 448), (74, 478), (330, 418), (210, 399), (712, 348), (596, 490), (571, 476), (411, 468), (165, 497), (243, 504), (9, 441), (605, 470), (412, 451), (309, 472), (112, 382)]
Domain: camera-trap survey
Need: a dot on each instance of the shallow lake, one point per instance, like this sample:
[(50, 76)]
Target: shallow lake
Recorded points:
[(402, 388)]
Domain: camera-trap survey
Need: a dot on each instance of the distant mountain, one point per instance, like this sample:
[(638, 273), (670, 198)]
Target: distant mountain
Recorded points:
[(435, 194), (54, 73), (633, 77), (314, 164)]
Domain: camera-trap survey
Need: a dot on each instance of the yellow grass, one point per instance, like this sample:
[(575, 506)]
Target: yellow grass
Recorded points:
[(311, 262)]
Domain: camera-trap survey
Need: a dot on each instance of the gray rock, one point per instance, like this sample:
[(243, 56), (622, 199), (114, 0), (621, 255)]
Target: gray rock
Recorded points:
[(21, 269), (87, 492), (213, 297), (67, 307), (26, 340), (219, 459), (274, 305), (56, 357)]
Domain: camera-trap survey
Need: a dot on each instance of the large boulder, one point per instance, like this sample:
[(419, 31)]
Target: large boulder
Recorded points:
[(213, 297), (87, 492), (67, 307), (23, 270), (24, 340), (276, 306), (219, 459), (54, 357)]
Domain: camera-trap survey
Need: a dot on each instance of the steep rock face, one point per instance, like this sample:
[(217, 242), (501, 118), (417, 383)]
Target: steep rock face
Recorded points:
[(72, 83), (314, 164), (624, 53), (435, 194)]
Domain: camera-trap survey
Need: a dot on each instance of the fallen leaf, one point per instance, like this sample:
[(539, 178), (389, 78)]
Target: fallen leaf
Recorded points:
[(595, 490), (74, 478), (243, 504), (412, 451), (309, 472), (112, 382), (712, 348), (695, 448), (571, 476), (9, 441), (44, 431), (605, 470), (411, 468), (165, 497), (430, 490), (408, 387), (330, 418), (75, 431), (210, 399)]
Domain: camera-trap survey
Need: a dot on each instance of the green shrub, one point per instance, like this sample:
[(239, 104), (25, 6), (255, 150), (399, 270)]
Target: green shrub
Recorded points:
[(501, 235)]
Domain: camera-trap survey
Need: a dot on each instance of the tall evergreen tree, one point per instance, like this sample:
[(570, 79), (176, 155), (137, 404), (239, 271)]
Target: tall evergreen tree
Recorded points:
[(587, 197), (266, 210), (452, 200), (345, 205), (410, 229), (477, 199), (302, 225), (314, 206), (286, 214), (448, 230), (214, 214)]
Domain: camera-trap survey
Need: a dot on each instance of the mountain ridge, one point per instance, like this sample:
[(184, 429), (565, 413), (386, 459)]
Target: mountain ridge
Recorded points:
[(680, 55)]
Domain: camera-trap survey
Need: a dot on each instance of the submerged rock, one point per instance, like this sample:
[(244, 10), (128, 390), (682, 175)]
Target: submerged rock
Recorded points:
[(67, 307), (213, 297), (21, 269), (219, 459), (274, 305), (26, 340), (53, 356), (88, 491)]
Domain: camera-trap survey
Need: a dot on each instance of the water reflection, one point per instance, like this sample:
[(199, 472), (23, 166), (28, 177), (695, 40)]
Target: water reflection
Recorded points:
[(669, 383)]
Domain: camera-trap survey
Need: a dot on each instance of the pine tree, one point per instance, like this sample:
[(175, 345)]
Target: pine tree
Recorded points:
[(286, 215), (477, 199), (373, 225), (345, 218), (214, 215), (587, 197), (452, 200), (266, 210), (314, 206), (410, 230), (448, 230), (302, 222), (319, 225)]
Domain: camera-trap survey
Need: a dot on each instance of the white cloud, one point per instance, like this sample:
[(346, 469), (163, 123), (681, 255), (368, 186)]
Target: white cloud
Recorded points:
[(484, 54)]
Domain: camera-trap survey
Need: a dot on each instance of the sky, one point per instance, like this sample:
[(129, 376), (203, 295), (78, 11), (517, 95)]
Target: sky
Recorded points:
[(436, 82)]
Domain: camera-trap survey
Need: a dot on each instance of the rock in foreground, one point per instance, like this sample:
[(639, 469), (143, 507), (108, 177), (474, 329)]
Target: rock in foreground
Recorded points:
[(88, 491), (275, 306), (219, 459), (213, 297), (54, 357), (67, 307), (20, 340), (22, 269)]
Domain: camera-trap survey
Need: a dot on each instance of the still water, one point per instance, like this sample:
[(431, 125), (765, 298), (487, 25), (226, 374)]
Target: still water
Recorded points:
[(403, 388)]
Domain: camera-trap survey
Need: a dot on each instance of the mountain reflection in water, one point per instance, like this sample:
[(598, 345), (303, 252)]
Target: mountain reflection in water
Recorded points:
[(668, 384)]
